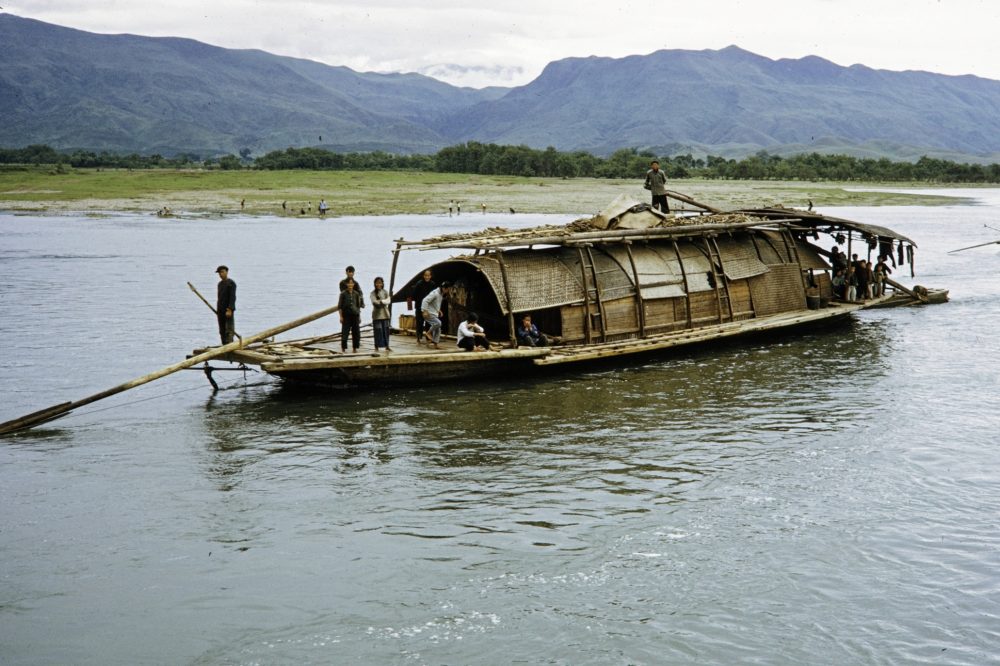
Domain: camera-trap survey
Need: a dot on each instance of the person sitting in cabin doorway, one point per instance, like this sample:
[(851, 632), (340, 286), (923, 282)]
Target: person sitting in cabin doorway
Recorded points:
[(432, 308), (656, 183), (472, 336), (423, 287), (225, 305), (528, 334), (350, 304)]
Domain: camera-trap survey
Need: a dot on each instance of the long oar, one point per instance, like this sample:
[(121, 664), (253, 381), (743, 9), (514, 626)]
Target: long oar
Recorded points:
[(909, 292), (962, 249), (50, 413), (214, 311)]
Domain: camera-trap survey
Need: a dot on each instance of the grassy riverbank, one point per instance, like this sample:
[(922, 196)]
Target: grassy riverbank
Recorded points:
[(380, 193)]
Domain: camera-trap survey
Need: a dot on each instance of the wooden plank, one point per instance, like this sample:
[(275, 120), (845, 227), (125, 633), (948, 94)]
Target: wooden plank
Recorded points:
[(63, 408), (687, 336)]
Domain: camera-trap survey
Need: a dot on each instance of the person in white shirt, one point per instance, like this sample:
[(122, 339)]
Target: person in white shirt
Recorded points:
[(471, 336)]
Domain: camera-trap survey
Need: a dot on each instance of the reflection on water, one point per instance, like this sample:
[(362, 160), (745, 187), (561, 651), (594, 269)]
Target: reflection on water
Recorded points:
[(827, 492)]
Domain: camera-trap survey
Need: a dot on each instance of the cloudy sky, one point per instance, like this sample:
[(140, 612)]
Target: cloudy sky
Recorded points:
[(508, 42)]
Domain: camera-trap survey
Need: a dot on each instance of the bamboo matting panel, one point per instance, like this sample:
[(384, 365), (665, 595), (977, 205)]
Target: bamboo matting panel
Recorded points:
[(739, 294), (779, 290), (660, 312), (825, 284), (705, 304), (622, 315), (771, 248), (739, 258), (572, 323)]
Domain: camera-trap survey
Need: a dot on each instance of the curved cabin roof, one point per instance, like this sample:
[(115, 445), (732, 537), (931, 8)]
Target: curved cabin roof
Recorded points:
[(550, 266), (554, 276)]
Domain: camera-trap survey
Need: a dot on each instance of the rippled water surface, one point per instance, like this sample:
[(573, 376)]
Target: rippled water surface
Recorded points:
[(824, 497)]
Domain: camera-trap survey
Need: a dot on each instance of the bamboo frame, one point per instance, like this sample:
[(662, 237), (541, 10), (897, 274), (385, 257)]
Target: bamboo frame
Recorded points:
[(586, 297), (597, 295), (506, 289), (640, 302), (687, 288)]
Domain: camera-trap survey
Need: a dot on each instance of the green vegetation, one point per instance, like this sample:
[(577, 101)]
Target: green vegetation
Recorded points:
[(496, 160), (189, 191)]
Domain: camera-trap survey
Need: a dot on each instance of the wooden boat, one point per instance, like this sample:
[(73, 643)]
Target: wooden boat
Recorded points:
[(628, 281)]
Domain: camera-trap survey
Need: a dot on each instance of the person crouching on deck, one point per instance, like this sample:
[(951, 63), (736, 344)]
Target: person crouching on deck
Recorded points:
[(528, 334), (471, 336), (431, 308), (350, 305)]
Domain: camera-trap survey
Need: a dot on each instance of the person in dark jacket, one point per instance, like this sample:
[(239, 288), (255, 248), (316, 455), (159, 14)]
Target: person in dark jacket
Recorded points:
[(423, 287), (656, 183), (225, 305), (528, 334), (350, 304)]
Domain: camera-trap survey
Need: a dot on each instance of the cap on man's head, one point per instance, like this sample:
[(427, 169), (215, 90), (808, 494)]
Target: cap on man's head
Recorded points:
[(445, 284), (222, 268)]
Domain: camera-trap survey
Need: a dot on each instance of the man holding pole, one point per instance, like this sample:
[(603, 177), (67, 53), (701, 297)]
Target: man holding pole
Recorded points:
[(225, 305)]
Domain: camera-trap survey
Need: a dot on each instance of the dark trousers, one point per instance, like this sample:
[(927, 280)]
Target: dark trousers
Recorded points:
[(381, 330), (227, 327), (352, 325), (660, 201), (468, 344)]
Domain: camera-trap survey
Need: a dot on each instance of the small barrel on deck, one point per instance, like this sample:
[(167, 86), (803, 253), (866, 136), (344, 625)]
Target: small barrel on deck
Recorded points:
[(813, 301)]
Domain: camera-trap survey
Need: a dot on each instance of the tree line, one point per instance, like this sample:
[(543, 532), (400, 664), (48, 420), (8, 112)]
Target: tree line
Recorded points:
[(501, 160)]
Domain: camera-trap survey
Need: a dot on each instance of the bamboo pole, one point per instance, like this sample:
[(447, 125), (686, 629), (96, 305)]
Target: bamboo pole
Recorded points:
[(214, 311), (640, 304), (908, 292), (49, 413)]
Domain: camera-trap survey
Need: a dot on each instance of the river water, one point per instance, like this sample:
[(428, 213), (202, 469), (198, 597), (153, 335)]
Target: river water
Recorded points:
[(822, 497)]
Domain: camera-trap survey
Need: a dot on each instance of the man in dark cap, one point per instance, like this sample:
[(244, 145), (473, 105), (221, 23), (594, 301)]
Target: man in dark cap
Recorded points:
[(225, 305)]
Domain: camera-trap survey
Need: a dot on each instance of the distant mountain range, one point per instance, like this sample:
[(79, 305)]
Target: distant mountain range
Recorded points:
[(124, 93)]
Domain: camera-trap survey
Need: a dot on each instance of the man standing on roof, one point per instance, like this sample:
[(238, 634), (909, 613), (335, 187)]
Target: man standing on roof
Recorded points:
[(656, 182), (225, 305)]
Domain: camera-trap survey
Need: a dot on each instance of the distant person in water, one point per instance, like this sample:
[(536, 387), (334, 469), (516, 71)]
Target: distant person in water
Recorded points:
[(225, 305), (656, 183)]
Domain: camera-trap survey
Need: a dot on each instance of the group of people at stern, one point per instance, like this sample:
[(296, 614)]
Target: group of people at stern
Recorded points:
[(857, 280), (431, 301)]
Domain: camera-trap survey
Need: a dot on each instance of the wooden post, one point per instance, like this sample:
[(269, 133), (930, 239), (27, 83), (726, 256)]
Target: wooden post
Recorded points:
[(597, 296), (687, 290), (392, 275), (586, 296), (506, 290), (640, 304), (50, 413), (715, 275), (725, 281)]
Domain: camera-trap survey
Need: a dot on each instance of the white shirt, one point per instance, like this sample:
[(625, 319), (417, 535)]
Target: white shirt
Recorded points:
[(467, 330)]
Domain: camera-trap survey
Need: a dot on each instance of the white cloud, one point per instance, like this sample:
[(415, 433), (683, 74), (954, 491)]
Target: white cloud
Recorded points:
[(474, 42)]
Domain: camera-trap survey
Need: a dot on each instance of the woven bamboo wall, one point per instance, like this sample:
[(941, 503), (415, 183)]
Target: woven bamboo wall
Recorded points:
[(705, 304), (739, 294), (779, 290)]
